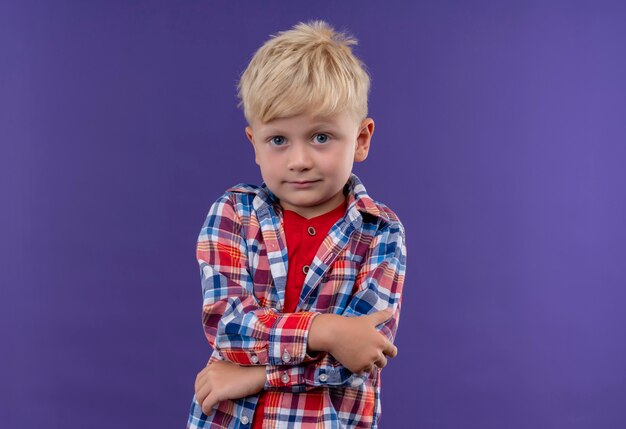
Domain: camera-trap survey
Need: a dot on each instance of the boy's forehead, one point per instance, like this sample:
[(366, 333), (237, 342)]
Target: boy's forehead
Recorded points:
[(306, 119)]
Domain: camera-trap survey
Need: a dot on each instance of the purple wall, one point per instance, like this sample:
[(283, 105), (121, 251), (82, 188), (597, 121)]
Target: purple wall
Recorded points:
[(500, 142)]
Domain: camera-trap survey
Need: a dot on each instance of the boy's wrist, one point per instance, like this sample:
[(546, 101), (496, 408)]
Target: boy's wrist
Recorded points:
[(321, 336), (259, 376)]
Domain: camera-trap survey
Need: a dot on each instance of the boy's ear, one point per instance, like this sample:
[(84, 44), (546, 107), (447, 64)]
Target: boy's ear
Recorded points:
[(363, 139), (251, 138)]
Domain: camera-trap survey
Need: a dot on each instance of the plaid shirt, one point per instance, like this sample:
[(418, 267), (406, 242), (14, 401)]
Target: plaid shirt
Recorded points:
[(358, 269)]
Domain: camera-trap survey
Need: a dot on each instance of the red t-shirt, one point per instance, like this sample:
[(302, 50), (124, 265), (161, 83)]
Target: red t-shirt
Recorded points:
[(304, 237)]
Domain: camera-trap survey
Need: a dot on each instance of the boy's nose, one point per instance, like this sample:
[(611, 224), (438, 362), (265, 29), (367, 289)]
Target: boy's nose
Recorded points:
[(299, 157)]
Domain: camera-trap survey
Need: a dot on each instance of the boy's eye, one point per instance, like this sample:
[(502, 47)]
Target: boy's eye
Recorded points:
[(278, 140), (321, 138)]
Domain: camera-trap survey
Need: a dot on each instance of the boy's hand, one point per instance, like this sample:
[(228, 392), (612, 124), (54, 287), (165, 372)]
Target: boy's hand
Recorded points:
[(353, 341), (222, 380)]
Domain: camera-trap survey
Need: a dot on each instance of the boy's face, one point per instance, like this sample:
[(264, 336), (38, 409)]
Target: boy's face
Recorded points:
[(316, 150)]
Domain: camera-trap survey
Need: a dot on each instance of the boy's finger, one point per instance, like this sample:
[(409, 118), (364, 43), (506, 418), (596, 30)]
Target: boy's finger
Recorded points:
[(381, 362), (390, 350), (202, 392), (208, 404), (200, 379), (367, 369), (381, 316)]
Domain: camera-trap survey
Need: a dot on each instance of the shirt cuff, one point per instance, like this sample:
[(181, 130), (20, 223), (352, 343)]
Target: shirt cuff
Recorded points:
[(288, 339), (245, 357), (304, 377)]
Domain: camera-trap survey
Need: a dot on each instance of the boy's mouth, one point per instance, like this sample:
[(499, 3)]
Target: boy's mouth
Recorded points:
[(303, 184)]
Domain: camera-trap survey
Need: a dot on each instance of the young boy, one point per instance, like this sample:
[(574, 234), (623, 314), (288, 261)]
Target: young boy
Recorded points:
[(301, 276)]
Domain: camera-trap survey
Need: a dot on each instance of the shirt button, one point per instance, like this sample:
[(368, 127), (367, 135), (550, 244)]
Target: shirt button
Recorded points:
[(311, 230), (323, 377), (305, 269), (254, 359), (245, 420), (286, 357), (285, 378)]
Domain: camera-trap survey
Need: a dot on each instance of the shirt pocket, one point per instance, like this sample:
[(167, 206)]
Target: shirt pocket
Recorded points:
[(338, 285)]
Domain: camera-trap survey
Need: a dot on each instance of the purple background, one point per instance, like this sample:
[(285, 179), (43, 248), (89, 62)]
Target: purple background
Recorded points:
[(500, 142)]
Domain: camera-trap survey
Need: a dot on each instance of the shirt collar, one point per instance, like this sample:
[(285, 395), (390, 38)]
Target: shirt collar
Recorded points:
[(357, 197)]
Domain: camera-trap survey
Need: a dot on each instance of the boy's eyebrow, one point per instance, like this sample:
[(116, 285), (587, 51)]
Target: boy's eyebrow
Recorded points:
[(274, 129)]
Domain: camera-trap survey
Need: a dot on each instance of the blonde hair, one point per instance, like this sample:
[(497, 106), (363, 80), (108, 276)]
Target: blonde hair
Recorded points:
[(307, 69)]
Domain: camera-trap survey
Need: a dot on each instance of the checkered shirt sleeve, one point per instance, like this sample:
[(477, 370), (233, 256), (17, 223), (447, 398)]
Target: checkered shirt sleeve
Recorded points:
[(234, 323)]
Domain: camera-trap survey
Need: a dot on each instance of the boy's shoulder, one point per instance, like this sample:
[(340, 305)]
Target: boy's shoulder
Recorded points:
[(386, 213)]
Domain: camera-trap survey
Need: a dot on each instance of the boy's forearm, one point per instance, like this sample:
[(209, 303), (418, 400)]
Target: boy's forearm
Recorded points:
[(323, 333)]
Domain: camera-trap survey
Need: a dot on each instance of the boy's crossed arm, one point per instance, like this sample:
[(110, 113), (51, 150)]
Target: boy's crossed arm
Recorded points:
[(355, 341)]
